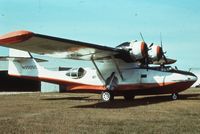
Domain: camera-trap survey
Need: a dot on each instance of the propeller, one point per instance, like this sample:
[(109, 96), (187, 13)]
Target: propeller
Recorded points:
[(162, 52), (142, 37), (150, 46)]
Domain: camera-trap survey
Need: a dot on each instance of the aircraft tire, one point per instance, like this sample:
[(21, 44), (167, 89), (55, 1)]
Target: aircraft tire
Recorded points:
[(107, 96), (174, 96)]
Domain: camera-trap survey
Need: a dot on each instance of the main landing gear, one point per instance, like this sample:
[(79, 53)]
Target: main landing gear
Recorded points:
[(107, 96)]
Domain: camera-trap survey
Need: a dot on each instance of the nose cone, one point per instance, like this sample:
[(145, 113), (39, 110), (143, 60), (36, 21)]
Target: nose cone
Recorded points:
[(183, 76), (181, 80), (192, 78)]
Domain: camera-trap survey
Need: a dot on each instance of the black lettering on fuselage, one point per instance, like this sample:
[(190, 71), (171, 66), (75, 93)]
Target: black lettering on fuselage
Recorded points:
[(29, 67)]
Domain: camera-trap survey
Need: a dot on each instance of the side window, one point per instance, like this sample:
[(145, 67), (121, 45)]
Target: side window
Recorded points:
[(143, 75), (76, 73)]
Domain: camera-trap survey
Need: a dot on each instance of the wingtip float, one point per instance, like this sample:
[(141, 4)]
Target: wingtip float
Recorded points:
[(15, 37)]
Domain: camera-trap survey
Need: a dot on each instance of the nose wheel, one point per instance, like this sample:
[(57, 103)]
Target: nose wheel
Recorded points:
[(174, 96)]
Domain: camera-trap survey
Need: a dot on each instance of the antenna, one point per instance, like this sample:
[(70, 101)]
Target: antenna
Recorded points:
[(161, 45)]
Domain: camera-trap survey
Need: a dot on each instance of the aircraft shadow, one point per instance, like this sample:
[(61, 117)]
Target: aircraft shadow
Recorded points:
[(120, 103), (189, 97), (70, 98)]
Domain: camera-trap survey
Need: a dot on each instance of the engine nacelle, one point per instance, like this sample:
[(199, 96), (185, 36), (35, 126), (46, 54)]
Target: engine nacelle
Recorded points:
[(138, 50), (155, 53)]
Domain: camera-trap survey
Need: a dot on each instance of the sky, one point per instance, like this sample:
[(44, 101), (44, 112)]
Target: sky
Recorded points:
[(111, 23)]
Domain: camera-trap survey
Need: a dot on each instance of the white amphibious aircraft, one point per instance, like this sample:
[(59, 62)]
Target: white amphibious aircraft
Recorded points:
[(123, 70)]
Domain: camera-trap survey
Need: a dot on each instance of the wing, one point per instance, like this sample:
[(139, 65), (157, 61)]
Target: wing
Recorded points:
[(56, 47), (163, 61)]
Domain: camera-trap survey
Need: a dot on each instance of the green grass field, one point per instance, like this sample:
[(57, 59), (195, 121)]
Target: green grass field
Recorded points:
[(84, 113)]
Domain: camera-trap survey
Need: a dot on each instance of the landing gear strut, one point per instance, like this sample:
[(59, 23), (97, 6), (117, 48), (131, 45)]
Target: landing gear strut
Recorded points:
[(174, 96), (107, 96)]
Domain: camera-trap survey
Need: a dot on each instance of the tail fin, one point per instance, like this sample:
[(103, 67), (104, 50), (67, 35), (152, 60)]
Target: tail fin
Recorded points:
[(19, 54), (22, 63)]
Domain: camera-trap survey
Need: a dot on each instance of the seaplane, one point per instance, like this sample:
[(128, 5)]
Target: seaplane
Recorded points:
[(130, 69)]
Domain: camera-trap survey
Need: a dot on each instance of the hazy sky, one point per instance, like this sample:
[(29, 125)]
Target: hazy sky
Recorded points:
[(111, 22)]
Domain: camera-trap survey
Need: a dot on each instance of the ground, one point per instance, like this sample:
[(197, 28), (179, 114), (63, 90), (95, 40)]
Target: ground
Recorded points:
[(85, 113)]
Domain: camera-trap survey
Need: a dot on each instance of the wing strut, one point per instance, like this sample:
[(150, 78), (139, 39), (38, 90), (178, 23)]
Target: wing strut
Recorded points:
[(95, 65), (118, 70)]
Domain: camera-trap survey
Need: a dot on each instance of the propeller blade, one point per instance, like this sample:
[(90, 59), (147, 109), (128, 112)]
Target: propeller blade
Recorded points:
[(151, 45), (142, 36), (161, 40), (163, 53)]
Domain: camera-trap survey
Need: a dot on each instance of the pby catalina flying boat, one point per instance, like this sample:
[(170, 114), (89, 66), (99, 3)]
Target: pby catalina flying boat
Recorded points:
[(124, 70)]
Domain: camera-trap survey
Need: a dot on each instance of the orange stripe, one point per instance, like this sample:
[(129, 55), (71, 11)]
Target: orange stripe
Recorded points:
[(83, 87), (15, 37)]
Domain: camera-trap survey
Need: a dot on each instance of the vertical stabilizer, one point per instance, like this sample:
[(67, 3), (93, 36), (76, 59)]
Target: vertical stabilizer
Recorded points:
[(21, 63), (19, 53)]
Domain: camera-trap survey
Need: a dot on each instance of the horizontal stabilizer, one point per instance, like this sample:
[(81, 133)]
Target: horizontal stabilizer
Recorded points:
[(7, 58), (19, 55)]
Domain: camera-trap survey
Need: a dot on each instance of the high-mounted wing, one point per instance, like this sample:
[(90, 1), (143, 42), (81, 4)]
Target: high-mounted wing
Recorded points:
[(56, 47), (163, 61)]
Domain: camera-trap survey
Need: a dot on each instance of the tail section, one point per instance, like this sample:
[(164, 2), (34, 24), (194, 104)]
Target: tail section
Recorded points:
[(21, 63)]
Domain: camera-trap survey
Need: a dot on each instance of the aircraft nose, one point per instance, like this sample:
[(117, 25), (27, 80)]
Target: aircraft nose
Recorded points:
[(185, 77), (192, 77)]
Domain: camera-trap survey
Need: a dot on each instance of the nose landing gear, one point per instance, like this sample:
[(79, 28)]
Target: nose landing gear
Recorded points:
[(174, 96)]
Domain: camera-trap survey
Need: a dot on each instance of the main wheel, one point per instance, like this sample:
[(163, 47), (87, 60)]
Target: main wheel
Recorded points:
[(174, 96), (107, 96), (129, 97)]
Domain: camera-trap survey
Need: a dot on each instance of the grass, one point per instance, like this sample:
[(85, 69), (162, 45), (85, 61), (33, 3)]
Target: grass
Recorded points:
[(85, 113)]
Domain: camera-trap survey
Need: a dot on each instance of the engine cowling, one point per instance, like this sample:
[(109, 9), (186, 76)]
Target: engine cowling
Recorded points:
[(155, 53), (138, 50)]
